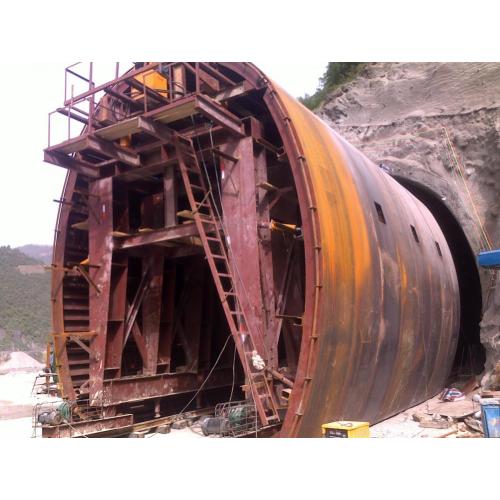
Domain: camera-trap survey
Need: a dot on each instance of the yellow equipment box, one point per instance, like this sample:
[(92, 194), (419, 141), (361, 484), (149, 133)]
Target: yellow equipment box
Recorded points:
[(346, 430), (153, 80)]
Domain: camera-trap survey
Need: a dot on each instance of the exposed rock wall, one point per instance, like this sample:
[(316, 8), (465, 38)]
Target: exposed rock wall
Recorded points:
[(399, 114)]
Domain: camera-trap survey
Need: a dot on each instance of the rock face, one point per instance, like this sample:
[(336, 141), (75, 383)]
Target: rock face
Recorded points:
[(436, 126)]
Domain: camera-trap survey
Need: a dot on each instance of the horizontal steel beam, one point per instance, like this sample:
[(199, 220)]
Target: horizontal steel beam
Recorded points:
[(147, 425), (93, 143), (77, 429), (156, 237), (220, 115), (65, 161), (126, 390), (107, 148), (155, 129)]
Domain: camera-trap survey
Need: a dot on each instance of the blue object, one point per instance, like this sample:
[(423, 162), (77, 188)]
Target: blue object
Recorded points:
[(490, 416), (489, 258)]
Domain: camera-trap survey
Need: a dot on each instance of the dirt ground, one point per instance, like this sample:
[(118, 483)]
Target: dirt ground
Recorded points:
[(404, 426), (16, 405)]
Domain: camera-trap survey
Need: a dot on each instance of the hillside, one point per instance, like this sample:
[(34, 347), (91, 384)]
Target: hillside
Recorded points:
[(38, 252), (24, 302)]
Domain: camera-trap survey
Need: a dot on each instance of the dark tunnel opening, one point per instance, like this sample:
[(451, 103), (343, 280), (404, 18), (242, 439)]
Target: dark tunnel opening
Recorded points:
[(470, 355)]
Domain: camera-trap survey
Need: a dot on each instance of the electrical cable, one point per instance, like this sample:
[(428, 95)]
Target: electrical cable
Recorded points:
[(207, 377), (232, 385), (229, 250), (221, 220)]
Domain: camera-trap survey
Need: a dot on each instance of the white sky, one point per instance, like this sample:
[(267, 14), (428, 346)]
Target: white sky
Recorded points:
[(27, 184)]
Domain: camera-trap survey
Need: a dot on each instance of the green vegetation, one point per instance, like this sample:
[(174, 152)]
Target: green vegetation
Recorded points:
[(24, 303), (336, 74)]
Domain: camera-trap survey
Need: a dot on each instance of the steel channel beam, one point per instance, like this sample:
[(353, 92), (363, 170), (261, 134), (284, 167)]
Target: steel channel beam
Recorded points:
[(124, 390), (80, 429), (156, 237)]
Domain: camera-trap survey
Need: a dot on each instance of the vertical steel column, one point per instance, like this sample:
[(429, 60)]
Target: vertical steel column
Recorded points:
[(151, 308), (238, 200), (100, 255), (269, 319)]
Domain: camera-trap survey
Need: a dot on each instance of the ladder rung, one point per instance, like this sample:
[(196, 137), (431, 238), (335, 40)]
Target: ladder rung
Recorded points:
[(272, 417), (224, 275), (195, 186), (211, 238), (220, 257), (188, 214), (227, 294)]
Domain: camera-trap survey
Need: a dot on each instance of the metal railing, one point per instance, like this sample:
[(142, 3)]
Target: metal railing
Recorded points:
[(93, 103)]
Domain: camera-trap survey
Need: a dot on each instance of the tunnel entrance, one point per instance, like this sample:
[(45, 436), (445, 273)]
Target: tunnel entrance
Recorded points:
[(470, 355)]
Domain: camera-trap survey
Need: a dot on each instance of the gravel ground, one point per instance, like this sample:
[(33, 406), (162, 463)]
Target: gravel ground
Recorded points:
[(16, 404)]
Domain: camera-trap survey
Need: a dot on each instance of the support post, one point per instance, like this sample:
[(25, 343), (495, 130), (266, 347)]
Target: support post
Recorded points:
[(151, 309), (239, 200), (101, 252)]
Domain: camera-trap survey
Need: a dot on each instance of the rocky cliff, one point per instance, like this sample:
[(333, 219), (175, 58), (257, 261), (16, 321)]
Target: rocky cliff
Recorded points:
[(436, 128)]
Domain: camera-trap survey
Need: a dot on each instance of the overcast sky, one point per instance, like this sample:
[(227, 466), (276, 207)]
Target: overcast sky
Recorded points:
[(27, 184)]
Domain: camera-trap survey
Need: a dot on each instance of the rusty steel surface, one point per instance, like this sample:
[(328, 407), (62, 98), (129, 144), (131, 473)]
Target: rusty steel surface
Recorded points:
[(357, 317), (80, 429), (388, 319)]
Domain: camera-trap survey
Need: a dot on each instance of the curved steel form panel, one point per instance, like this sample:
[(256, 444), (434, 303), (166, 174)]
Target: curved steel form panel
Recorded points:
[(374, 278), (388, 318)]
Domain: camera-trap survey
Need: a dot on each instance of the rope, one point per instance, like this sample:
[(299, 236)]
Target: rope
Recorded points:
[(457, 165), (232, 385), (208, 376)]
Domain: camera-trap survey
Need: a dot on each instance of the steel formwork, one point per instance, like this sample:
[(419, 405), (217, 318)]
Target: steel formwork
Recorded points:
[(218, 241)]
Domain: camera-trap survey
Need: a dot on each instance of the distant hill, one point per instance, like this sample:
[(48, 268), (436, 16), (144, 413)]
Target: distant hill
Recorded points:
[(38, 252), (24, 302)]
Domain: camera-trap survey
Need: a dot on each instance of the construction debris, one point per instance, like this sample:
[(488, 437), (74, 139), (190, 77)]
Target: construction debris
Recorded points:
[(434, 421)]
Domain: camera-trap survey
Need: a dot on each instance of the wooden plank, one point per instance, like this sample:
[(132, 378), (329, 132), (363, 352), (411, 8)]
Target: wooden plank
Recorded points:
[(179, 109), (118, 130), (70, 146)]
